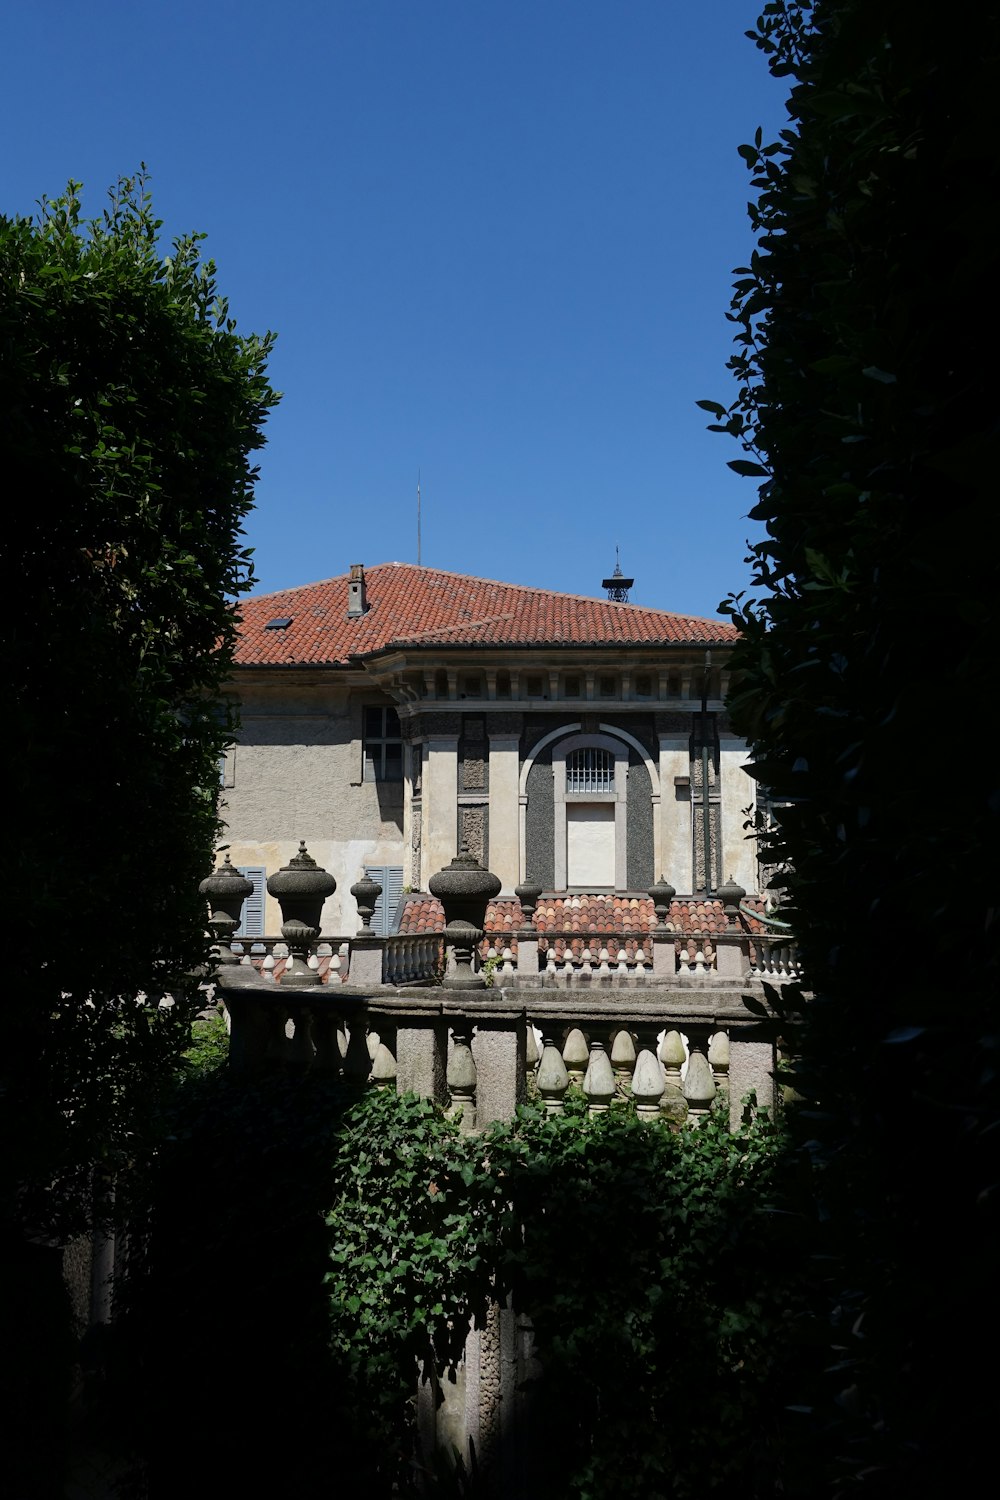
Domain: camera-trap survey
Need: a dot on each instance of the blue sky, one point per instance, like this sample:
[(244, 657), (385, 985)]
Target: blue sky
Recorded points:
[(495, 238)]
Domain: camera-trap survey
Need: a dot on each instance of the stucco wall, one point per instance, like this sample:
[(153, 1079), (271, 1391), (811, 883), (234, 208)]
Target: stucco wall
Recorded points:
[(297, 774)]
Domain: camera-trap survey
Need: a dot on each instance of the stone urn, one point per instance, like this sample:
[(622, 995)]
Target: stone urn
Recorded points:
[(465, 890), (528, 893), (301, 887), (225, 890), (662, 893), (366, 892), (731, 893)]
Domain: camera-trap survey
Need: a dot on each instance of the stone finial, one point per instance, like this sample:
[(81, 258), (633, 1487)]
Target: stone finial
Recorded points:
[(300, 888), (527, 894), (225, 890), (662, 893), (366, 892), (465, 890), (731, 893)]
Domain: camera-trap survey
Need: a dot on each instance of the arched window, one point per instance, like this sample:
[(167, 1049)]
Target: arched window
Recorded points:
[(590, 769)]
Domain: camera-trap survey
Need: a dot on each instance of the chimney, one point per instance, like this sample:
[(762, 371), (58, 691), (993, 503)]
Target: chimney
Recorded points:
[(357, 598)]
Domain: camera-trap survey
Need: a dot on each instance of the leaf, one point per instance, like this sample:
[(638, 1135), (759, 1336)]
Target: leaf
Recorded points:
[(747, 469)]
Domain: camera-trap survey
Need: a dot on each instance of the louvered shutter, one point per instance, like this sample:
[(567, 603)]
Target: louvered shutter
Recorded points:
[(252, 915), (390, 878)]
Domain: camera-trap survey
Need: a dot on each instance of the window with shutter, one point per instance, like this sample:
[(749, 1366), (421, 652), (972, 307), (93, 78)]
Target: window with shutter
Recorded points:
[(252, 914), (390, 878)]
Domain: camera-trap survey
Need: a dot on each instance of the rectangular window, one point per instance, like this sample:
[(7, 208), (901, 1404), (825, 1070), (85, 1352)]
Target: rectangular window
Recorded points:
[(390, 878), (252, 913), (572, 687), (534, 687), (383, 745), (607, 687)]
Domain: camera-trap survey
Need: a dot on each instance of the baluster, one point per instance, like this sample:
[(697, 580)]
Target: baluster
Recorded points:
[(718, 1057), (530, 1049), (326, 1036), (576, 1055), (553, 1078), (550, 964), (372, 1043), (357, 1060), (383, 1073), (267, 967), (699, 1085), (277, 1036), (603, 967), (699, 963), (623, 1059), (300, 1049), (568, 970), (599, 1080), (462, 1077), (648, 1080), (639, 969), (333, 973), (507, 967), (587, 964), (673, 1105)]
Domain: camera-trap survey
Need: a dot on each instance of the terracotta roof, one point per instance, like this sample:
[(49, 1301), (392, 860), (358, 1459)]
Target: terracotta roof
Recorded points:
[(585, 914), (415, 606)]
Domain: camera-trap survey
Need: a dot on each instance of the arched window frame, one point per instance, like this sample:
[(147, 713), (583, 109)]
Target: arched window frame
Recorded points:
[(562, 797)]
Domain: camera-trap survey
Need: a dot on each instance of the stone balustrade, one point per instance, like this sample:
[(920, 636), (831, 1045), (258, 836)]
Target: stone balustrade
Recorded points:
[(481, 1053)]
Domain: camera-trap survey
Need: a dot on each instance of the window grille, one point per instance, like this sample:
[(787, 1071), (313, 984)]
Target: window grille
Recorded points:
[(590, 770)]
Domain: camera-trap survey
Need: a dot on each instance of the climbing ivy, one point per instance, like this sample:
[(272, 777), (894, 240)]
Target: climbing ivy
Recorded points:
[(342, 1245)]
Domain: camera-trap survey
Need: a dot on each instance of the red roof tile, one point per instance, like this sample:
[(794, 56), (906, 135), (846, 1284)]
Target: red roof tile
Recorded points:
[(415, 606), (586, 914)]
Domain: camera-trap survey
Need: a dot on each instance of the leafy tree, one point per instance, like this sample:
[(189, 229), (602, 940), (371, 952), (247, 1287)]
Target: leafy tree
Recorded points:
[(864, 684), (130, 408)]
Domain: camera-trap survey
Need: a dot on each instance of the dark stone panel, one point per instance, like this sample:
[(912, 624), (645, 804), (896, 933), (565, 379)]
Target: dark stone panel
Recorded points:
[(639, 825), (503, 721), (439, 723), (539, 830)]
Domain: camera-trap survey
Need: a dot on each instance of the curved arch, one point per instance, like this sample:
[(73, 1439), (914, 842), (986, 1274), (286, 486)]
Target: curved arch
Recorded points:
[(576, 729), (569, 737)]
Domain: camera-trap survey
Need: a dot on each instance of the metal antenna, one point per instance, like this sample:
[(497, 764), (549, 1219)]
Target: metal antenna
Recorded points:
[(617, 585), (418, 518)]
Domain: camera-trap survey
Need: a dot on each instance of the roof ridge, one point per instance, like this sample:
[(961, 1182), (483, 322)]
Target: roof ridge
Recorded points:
[(525, 588)]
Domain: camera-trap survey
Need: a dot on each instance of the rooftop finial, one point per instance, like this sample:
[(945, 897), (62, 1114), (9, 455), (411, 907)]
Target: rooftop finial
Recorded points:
[(617, 585)]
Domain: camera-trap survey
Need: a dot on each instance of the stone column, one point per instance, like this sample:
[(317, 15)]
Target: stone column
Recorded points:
[(439, 819), (675, 811), (738, 793), (504, 810)]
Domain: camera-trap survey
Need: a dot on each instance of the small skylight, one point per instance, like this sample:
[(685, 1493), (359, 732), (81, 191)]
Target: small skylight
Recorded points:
[(282, 622)]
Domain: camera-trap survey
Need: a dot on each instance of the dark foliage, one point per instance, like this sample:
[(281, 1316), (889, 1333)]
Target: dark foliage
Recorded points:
[(129, 408), (864, 686), (648, 1262)]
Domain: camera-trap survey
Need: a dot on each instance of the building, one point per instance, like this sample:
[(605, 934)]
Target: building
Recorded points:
[(396, 712)]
